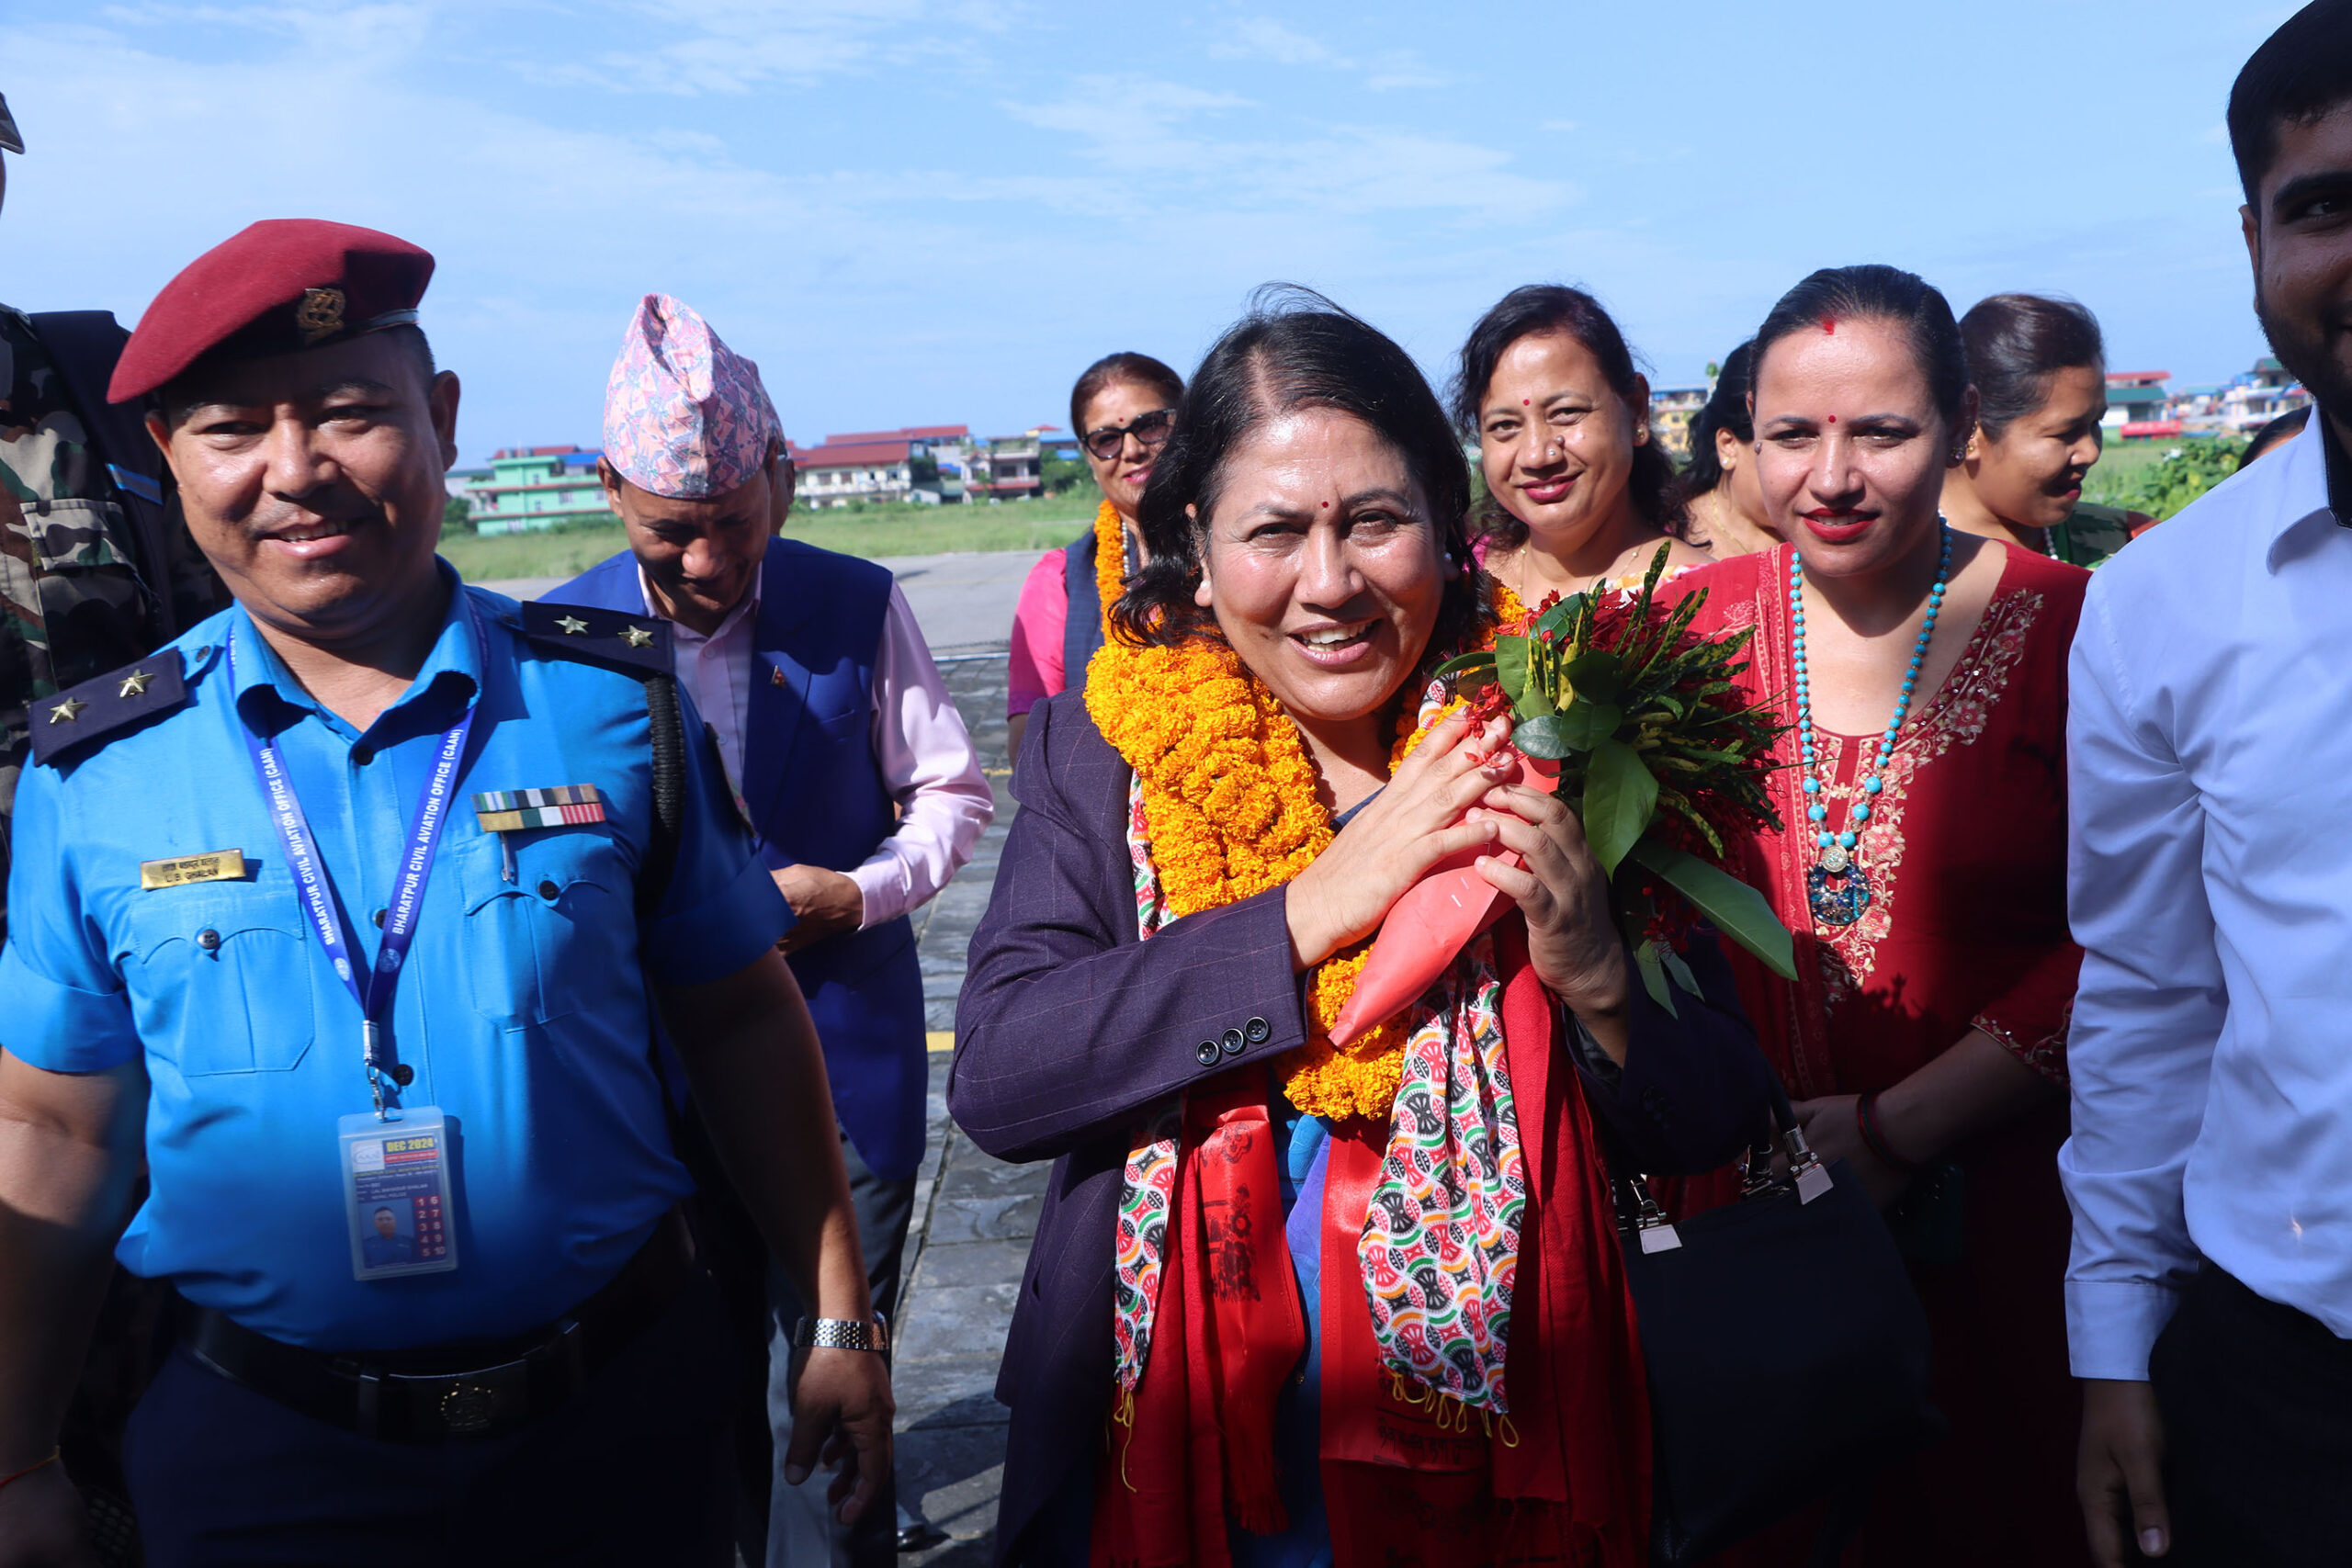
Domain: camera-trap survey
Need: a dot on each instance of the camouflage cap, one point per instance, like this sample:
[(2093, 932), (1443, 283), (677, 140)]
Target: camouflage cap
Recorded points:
[(11, 141)]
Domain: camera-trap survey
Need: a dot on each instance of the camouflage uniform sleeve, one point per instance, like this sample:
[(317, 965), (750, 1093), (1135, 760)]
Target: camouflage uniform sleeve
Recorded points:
[(73, 601)]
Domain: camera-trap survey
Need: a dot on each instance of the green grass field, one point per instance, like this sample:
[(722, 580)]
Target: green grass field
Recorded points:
[(871, 532)]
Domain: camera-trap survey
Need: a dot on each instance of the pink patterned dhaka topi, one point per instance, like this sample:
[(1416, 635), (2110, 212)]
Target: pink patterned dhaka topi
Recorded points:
[(685, 415)]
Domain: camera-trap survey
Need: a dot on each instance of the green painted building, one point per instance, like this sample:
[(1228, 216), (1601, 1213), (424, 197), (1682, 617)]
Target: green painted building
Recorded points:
[(529, 488)]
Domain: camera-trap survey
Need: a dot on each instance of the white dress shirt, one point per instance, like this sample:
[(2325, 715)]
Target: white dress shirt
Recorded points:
[(920, 742), (2210, 770)]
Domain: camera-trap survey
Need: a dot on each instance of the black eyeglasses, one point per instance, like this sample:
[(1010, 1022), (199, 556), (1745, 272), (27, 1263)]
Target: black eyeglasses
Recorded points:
[(1151, 429)]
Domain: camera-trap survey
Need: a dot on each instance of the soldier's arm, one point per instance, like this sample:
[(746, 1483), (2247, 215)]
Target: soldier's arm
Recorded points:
[(72, 1147), (752, 1056)]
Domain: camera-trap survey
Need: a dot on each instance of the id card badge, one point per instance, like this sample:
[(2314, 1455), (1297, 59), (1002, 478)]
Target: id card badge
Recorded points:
[(396, 1194)]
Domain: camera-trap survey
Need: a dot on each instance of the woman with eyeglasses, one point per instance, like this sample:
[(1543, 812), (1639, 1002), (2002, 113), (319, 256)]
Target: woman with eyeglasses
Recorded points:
[(1579, 495), (1123, 407)]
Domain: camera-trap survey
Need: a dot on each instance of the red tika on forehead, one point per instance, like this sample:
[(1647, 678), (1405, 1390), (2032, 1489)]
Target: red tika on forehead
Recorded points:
[(1830, 325)]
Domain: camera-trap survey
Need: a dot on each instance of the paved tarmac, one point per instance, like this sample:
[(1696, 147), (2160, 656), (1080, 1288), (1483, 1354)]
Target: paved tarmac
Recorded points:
[(963, 601), (974, 1215)]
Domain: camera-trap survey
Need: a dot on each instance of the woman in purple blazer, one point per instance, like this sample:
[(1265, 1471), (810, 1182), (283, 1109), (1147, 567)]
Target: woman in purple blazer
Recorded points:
[(1208, 834)]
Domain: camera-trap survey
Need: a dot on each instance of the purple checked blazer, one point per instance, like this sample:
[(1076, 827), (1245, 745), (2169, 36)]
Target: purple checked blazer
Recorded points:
[(1070, 1027)]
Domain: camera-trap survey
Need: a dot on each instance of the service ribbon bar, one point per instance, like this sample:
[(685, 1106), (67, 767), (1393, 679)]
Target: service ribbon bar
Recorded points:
[(511, 810)]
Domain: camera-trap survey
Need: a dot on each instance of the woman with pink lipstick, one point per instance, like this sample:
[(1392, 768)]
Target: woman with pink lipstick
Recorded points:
[(1123, 409), (2039, 369), (1922, 871), (1577, 494)]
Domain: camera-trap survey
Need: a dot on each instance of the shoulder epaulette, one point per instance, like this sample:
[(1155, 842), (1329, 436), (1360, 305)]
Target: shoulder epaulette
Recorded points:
[(637, 644), (112, 704)]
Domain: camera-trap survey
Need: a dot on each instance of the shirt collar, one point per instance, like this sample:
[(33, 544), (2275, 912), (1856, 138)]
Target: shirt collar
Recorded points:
[(449, 677), (746, 606)]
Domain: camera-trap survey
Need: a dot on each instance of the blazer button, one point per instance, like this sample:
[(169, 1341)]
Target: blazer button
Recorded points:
[(1258, 1031), (1233, 1043), (1206, 1053)]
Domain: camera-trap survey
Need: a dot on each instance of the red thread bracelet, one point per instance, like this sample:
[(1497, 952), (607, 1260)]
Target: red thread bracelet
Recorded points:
[(8, 1481), (1874, 1137)]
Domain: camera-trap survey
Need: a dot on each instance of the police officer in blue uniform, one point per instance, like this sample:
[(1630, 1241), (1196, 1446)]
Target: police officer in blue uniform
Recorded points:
[(361, 895)]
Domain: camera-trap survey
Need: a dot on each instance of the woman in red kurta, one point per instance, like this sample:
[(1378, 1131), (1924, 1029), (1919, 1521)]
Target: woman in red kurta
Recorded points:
[(1923, 1038)]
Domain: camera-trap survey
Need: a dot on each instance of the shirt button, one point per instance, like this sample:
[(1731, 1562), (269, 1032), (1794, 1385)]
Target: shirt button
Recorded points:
[(1233, 1043), (207, 938), (379, 918), (1206, 1053), (548, 890), (1259, 1030), (362, 755)]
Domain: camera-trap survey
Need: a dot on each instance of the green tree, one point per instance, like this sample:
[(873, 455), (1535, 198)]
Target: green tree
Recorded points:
[(457, 516)]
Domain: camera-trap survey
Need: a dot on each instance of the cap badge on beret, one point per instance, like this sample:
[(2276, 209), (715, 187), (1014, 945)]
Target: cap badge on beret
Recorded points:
[(320, 315)]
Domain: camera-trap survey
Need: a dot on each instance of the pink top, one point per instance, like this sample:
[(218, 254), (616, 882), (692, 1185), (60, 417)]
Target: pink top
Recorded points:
[(925, 754), (1038, 620)]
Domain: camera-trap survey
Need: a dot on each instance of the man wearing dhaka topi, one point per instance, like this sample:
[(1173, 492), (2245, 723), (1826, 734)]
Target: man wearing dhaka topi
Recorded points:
[(846, 759), (344, 920)]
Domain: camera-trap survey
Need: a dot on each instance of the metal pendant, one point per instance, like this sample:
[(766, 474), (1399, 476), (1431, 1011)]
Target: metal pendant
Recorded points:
[(1835, 888)]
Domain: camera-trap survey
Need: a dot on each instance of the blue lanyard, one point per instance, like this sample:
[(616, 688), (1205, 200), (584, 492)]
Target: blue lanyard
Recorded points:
[(373, 989)]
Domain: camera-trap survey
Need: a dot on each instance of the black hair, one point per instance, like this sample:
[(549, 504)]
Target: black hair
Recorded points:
[(1878, 293), (1140, 368), (1538, 308), (1726, 410), (2300, 74), (2277, 432), (1293, 350), (2015, 342), (186, 392)]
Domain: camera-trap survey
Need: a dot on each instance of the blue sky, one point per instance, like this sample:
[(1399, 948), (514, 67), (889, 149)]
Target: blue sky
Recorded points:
[(918, 213)]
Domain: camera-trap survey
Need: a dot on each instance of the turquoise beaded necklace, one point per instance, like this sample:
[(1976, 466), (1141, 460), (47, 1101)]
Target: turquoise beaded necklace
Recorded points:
[(1836, 887)]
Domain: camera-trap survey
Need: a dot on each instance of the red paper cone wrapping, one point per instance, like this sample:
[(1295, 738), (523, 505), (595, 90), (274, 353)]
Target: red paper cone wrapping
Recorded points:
[(1429, 926)]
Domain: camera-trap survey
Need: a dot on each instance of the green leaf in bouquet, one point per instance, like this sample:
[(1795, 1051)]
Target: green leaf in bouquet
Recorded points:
[(1585, 725), (1737, 909), (1543, 737), (1620, 795), (1514, 672), (1598, 675), (1678, 971), (1645, 959), (1556, 620), (1477, 663)]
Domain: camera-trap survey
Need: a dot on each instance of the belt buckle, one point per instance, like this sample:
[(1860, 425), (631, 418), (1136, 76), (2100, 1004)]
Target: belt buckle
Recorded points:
[(467, 1409)]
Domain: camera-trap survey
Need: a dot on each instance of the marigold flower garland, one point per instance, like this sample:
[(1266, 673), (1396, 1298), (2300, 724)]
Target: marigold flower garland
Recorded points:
[(1228, 792), (1110, 562)]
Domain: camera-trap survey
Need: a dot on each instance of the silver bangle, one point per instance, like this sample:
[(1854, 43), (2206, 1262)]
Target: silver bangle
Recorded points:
[(842, 1334)]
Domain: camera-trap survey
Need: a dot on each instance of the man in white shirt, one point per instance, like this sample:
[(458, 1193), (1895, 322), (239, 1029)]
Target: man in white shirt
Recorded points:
[(844, 754), (2209, 1295)]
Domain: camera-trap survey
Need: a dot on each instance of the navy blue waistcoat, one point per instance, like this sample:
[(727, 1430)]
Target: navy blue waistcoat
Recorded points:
[(815, 794)]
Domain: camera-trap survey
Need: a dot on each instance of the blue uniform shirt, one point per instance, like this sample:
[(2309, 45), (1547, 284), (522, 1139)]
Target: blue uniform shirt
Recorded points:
[(523, 1005)]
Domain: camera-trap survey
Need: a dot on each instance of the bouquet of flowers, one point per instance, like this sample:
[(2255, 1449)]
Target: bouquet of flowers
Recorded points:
[(1637, 720)]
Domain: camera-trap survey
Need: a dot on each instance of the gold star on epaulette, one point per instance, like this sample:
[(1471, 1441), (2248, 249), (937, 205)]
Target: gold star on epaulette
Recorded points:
[(571, 626), (66, 711), (135, 684), (638, 636)]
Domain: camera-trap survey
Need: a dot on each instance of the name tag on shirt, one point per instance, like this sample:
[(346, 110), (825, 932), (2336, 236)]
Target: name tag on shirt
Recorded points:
[(396, 1194), (221, 865), (513, 810)]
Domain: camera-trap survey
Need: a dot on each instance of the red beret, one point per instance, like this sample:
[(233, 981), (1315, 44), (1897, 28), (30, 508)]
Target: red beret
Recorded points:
[(282, 286)]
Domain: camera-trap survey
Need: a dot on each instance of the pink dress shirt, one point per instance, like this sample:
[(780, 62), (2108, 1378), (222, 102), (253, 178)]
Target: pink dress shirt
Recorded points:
[(920, 742)]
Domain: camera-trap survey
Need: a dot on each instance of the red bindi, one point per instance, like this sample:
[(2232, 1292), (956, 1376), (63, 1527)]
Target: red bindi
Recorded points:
[(1323, 503), (1526, 402), (1830, 325), (1833, 419)]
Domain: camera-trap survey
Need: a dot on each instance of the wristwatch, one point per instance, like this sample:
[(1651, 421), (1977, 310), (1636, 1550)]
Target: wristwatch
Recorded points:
[(842, 1334)]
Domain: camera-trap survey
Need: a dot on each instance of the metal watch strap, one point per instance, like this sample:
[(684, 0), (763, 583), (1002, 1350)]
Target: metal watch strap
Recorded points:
[(842, 1334)]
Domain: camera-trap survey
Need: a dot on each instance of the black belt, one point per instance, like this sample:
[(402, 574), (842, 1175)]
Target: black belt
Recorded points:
[(439, 1392)]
